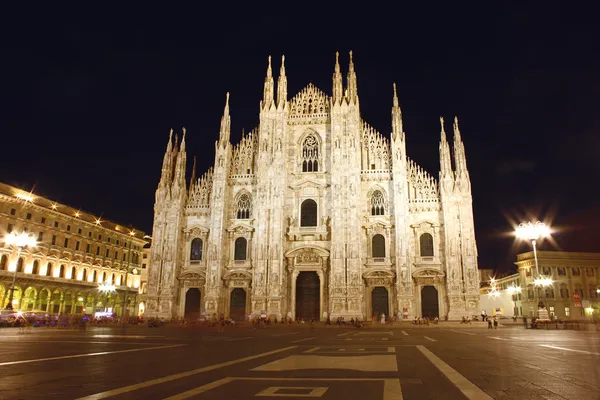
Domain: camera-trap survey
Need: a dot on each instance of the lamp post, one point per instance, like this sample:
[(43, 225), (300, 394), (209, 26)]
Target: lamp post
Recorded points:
[(20, 241), (533, 232)]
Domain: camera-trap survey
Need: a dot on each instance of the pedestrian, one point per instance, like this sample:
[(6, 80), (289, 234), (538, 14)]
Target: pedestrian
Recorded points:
[(489, 321), (495, 322)]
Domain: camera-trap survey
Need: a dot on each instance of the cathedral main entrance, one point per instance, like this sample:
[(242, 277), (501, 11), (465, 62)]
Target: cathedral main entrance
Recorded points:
[(380, 301), (308, 296), (192, 304), (237, 304), (430, 307)]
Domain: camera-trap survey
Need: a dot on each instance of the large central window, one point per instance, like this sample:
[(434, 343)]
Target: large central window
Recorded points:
[(308, 213), (310, 154)]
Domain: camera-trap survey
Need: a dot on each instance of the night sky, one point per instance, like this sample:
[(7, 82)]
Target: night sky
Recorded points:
[(88, 96)]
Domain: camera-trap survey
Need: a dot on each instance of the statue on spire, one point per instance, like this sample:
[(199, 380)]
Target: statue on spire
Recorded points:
[(282, 84), (268, 88), (338, 90)]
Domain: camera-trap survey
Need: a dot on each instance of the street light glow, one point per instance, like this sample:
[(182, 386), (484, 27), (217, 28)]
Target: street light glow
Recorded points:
[(107, 287), (532, 231), (512, 289), (542, 281), (20, 240)]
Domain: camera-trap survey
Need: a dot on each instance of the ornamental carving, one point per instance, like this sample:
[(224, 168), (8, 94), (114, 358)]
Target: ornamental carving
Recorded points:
[(308, 256), (310, 102), (194, 283)]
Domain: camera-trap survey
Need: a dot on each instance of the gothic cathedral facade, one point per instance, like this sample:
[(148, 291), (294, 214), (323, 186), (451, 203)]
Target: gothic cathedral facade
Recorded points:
[(314, 214)]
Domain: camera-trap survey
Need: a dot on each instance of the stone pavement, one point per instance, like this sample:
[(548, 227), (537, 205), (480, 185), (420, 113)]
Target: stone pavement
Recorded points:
[(390, 363)]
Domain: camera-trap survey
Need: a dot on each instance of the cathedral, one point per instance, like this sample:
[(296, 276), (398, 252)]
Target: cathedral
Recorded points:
[(314, 214)]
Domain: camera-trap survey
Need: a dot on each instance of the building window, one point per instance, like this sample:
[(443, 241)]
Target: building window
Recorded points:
[(73, 273), (66, 242), (549, 293), (4, 262), (77, 245), (53, 240), (107, 252), (28, 216), (561, 271), (36, 267), (56, 224), (95, 276), (13, 211), (69, 228), (20, 263), (87, 248), (378, 246), (593, 293), (196, 250), (40, 236), (377, 203), (310, 154), (308, 213), (143, 266), (241, 245), (575, 271), (567, 312), (564, 291), (63, 271), (116, 255), (85, 275), (90, 234), (243, 207), (49, 269), (589, 271), (98, 250), (117, 242), (43, 220), (9, 228), (426, 245), (547, 271)]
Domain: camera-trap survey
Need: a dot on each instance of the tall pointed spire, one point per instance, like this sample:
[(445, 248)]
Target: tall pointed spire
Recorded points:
[(338, 90), (352, 87), (397, 130), (282, 84), (165, 177), (268, 90), (179, 175), (445, 162), (193, 178), (460, 160), (225, 124)]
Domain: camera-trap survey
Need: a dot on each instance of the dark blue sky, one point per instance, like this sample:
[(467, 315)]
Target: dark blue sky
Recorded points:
[(88, 96)]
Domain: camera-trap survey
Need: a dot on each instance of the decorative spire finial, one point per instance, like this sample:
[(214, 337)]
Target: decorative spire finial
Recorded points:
[(443, 132), (395, 96)]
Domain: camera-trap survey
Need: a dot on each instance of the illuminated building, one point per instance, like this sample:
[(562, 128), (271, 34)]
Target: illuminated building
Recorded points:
[(314, 213), (75, 254)]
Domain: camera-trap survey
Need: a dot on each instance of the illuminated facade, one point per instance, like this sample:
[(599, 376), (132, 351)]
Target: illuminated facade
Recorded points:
[(313, 214), (76, 255)]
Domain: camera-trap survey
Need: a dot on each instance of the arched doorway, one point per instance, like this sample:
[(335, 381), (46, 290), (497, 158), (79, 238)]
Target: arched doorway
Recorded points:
[(380, 301), (308, 296), (237, 304), (192, 304), (430, 307)]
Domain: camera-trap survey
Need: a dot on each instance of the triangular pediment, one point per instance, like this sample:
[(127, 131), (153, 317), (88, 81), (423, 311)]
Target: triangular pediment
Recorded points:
[(308, 182), (378, 224), (372, 274), (241, 228), (428, 273), (237, 275), (310, 101)]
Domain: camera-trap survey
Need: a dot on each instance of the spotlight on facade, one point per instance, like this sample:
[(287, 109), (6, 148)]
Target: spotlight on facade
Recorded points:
[(512, 289), (542, 281), (25, 196)]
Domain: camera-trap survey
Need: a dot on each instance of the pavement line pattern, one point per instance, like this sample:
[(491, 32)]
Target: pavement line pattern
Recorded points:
[(573, 350), (102, 353), (81, 341), (241, 338), (464, 333), (518, 338), (287, 333), (430, 339), (392, 389), (302, 340), (152, 382), (497, 338), (345, 333), (272, 391), (468, 388), (404, 333), (312, 350), (367, 363)]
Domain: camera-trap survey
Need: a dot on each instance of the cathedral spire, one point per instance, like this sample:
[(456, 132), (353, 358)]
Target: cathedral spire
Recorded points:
[(445, 162), (268, 90), (352, 87), (165, 177), (282, 84), (179, 175), (460, 160), (225, 124), (338, 89), (193, 178), (397, 129)]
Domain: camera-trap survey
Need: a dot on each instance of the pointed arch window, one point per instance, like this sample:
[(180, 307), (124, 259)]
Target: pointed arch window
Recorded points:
[(95, 276), (196, 250), (36, 267), (377, 203), (4, 262), (240, 250), (426, 245), (73, 273), (378, 246), (310, 154), (243, 207), (49, 269), (308, 213)]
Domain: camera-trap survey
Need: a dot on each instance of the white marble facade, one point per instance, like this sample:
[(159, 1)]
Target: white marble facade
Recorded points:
[(314, 188)]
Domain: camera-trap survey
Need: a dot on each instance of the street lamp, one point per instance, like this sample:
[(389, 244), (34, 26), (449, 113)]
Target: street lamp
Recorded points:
[(533, 232), (20, 241)]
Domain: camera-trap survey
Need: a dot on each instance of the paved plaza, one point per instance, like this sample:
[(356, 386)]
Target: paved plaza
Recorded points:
[(404, 361)]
